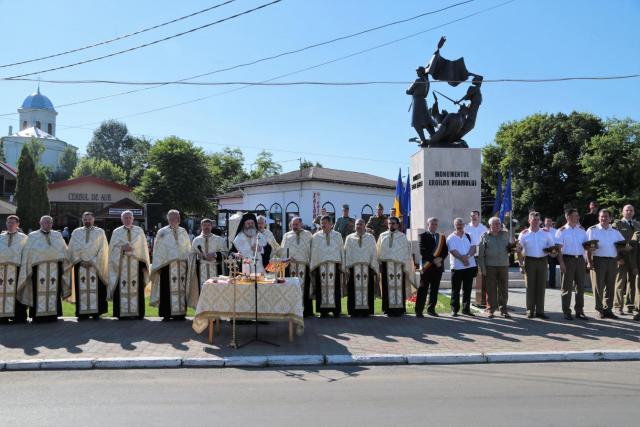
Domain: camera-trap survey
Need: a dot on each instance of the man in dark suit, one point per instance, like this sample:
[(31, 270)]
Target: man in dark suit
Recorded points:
[(433, 250)]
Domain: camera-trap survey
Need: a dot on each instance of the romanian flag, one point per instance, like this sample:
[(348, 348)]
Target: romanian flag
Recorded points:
[(505, 208), (398, 202), (497, 204)]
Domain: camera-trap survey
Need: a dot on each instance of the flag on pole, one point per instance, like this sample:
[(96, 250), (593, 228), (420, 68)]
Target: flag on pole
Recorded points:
[(497, 204), (397, 202), (505, 208), (406, 209)]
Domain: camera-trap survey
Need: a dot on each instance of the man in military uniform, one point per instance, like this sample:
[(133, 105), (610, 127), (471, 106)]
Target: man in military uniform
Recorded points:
[(345, 225), (627, 268), (377, 224)]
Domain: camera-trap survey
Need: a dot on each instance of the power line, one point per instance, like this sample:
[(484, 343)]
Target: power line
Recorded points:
[(341, 58), (279, 55), (124, 36), (329, 83), (131, 49)]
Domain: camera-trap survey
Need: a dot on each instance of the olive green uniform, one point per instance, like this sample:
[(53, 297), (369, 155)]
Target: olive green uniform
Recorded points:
[(345, 226), (625, 291), (376, 226)]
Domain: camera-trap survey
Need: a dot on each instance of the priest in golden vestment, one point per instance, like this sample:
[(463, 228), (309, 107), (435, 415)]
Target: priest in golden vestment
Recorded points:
[(172, 287), (296, 245), (361, 266), (207, 251), (326, 267), (89, 264), (44, 280), (128, 269), (396, 269), (12, 242)]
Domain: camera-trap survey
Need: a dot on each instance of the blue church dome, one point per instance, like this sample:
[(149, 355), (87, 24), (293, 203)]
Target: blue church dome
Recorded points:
[(37, 101)]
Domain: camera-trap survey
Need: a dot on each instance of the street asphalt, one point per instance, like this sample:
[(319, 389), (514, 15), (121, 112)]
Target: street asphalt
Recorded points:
[(547, 394)]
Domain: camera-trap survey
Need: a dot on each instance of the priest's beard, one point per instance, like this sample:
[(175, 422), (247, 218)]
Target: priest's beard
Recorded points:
[(251, 232)]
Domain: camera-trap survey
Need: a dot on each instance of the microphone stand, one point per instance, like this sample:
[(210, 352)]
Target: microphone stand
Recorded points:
[(256, 338)]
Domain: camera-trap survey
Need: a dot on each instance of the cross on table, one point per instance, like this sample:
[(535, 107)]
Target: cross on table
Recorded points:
[(232, 266)]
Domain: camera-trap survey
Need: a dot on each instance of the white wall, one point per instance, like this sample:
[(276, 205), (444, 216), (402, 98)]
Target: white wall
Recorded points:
[(51, 156), (356, 196), (43, 116)]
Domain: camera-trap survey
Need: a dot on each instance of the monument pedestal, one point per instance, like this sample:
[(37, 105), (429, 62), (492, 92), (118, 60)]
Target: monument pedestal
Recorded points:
[(445, 184)]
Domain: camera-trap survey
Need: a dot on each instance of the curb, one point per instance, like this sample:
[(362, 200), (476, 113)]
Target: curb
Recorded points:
[(318, 360)]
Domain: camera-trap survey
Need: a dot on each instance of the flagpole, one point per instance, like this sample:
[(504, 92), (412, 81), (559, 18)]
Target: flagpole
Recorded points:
[(511, 205)]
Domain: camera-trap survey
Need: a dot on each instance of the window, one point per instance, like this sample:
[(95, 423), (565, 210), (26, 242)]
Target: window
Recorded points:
[(366, 212), (50, 129), (38, 125), (331, 210), (292, 211), (275, 214), (24, 125), (261, 209)]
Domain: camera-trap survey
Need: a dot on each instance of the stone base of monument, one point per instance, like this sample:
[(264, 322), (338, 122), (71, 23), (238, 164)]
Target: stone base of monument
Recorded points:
[(445, 184)]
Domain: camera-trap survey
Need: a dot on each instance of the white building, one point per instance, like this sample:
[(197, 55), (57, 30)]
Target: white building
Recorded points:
[(37, 121), (304, 192)]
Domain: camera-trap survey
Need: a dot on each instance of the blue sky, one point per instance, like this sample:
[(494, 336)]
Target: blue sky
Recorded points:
[(355, 128)]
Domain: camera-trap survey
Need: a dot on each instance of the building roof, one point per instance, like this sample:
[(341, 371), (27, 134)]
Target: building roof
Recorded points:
[(34, 132), (37, 101), (7, 208), (323, 175), (10, 169), (230, 195), (91, 180)]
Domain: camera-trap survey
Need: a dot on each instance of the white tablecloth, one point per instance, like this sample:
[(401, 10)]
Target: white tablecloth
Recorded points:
[(277, 301)]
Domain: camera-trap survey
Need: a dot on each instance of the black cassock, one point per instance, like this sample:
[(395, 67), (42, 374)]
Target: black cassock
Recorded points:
[(19, 310), (140, 285), (101, 294), (301, 271), (47, 295), (360, 290), (396, 276)]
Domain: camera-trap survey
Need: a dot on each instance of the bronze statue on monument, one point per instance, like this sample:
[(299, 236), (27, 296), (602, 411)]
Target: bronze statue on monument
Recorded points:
[(445, 129)]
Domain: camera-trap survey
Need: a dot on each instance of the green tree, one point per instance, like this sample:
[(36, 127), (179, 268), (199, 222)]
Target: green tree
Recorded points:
[(68, 163), (542, 150), (111, 141), (305, 164), (265, 166), (610, 165), (36, 148), (226, 168), (177, 176), (135, 160), (31, 191), (100, 168)]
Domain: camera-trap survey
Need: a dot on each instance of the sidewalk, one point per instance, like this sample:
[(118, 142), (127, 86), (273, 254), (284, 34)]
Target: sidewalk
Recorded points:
[(150, 342)]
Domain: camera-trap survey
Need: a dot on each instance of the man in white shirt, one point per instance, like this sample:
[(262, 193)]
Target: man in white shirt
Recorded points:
[(533, 241), (572, 236), (602, 262), (463, 267), (553, 262), (476, 230)]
